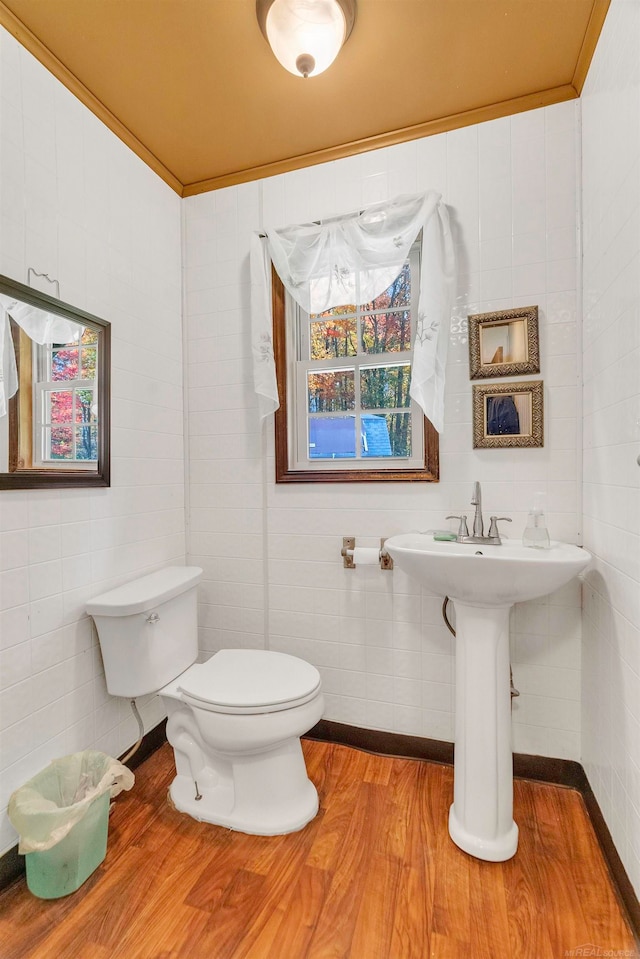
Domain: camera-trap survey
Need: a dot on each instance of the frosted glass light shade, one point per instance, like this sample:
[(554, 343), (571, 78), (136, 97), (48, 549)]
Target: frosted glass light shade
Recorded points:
[(306, 35)]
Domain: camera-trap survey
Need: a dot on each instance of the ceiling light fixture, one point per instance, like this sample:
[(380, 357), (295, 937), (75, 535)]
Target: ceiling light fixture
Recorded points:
[(306, 35)]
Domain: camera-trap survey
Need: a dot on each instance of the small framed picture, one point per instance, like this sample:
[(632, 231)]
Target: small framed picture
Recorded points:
[(504, 343), (508, 415)]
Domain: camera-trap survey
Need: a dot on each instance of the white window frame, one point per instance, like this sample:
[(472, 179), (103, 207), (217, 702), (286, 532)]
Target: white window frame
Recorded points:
[(298, 367), (42, 386)]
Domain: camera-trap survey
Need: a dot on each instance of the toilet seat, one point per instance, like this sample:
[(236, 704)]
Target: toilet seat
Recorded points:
[(249, 681)]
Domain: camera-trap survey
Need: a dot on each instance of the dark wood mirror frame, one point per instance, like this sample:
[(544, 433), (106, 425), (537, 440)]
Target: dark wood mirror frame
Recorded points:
[(19, 477)]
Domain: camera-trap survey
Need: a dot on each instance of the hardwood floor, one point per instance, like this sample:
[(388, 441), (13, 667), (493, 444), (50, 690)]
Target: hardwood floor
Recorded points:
[(374, 876)]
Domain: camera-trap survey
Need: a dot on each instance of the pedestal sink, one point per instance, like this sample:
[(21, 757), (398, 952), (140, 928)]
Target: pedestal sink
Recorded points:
[(484, 582)]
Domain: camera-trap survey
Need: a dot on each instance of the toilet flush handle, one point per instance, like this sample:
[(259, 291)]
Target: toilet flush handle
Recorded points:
[(153, 618)]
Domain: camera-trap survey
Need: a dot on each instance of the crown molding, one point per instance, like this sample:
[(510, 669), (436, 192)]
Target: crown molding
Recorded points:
[(531, 101), (590, 41), (30, 42)]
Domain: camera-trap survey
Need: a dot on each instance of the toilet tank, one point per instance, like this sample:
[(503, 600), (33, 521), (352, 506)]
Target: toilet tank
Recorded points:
[(148, 630)]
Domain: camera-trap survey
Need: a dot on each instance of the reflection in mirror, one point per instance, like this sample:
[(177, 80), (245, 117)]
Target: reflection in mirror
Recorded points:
[(54, 394), (508, 415), (504, 343)]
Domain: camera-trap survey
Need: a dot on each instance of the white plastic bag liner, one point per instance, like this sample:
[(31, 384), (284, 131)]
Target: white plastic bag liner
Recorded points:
[(318, 264), (47, 807)]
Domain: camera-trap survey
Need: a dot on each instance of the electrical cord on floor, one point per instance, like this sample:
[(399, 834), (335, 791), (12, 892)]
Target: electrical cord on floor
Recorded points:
[(514, 692)]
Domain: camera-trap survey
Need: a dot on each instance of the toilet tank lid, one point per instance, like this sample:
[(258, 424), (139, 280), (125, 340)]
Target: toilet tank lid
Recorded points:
[(144, 593)]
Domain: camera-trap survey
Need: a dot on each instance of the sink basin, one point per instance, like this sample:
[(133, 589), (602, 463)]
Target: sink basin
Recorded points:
[(484, 582), (486, 575)]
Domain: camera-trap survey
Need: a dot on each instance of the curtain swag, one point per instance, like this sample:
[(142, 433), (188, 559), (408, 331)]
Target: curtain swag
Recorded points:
[(40, 326), (318, 264)]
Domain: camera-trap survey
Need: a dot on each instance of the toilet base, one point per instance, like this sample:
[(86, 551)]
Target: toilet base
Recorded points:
[(249, 768), (216, 804)]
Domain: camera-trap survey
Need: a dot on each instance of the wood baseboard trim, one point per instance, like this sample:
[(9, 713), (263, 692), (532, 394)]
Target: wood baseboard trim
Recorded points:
[(12, 863), (382, 743), (558, 772), (151, 741), (11, 867), (620, 879)]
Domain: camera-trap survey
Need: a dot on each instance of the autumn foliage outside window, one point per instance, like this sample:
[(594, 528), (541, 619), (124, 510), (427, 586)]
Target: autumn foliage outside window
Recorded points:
[(348, 387), (65, 401)]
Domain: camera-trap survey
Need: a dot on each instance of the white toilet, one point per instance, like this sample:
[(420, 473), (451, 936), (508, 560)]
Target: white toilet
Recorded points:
[(234, 722)]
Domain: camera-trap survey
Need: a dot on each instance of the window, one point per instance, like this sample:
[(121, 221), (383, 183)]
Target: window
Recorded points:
[(65, 402), (346, 375)]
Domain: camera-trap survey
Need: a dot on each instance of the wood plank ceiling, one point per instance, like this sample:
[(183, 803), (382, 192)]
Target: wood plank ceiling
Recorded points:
[(193, 88)]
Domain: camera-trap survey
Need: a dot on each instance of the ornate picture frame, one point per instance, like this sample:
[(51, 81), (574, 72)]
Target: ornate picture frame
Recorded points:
[(507, 415), (504, 343)]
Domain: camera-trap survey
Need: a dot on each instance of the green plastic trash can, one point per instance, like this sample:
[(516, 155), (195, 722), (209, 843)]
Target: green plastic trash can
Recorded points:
[(62, 869), (62, 816)]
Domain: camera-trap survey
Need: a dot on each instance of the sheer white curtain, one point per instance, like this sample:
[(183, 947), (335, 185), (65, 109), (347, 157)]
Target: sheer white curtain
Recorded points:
[(318, 265), (40, 326), (8, 371)]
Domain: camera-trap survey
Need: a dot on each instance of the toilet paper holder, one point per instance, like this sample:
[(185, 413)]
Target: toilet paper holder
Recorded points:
[(348, 546)]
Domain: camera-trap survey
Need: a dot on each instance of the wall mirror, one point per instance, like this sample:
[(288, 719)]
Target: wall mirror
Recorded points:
[(504, 343), (508, 415), (54, 392)]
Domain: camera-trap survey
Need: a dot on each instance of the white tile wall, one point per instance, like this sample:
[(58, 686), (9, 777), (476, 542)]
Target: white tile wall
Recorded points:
[(271, 553), (77, 204), (611, 213)]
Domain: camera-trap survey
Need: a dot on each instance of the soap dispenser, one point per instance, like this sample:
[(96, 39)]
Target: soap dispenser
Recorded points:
[(536, 533)]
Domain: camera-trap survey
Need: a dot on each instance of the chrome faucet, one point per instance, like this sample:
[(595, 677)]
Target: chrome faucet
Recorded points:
[(493, 537), (478, 522)]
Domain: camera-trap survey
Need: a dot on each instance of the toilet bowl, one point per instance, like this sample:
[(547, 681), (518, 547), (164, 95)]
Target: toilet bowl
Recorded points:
[(234, 722)]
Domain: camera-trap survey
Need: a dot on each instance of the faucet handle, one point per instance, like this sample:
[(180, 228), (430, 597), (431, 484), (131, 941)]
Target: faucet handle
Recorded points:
[(493, 527), (463, 529)]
